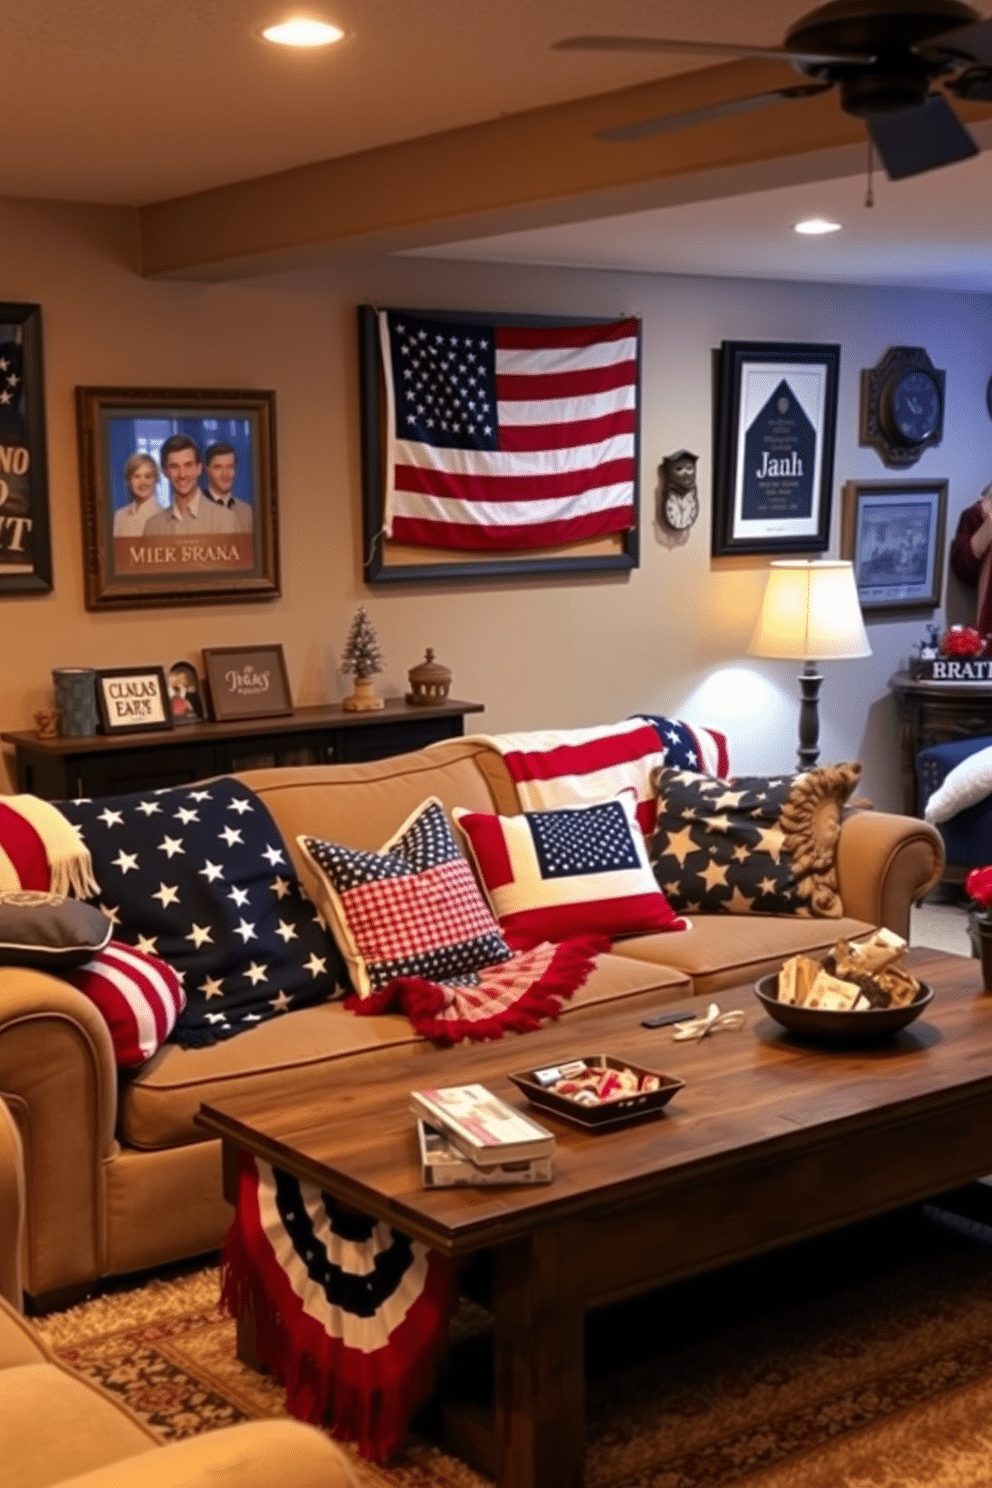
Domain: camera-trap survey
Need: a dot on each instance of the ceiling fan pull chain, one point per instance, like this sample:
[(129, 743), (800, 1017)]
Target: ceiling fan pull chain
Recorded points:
[(870, 191)]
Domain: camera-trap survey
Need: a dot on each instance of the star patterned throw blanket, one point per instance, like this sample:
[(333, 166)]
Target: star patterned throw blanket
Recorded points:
[(200, 877)]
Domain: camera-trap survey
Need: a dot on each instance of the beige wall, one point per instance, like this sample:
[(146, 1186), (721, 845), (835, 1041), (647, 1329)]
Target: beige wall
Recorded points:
[(669, 637)]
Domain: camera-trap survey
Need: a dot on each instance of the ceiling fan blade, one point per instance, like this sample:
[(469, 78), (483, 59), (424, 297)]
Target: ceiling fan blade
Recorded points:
[(974, 82), (668, 122), (964, 43), (716, 48), (915, 140)]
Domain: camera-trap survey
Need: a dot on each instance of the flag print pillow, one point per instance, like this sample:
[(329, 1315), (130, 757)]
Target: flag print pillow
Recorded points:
[(578, 870), (139, 996), (413, 909), (200, 877)]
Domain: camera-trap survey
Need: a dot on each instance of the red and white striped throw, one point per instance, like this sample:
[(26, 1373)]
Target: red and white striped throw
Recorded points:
[(568, 767), (507, 436), (40, 849)]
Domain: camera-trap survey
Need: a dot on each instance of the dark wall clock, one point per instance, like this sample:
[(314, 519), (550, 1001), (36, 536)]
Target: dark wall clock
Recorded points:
[(902, 405)]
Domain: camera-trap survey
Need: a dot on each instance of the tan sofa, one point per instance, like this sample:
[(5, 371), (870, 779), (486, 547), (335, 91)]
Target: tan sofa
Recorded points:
[(58, 1428), (119, 1178)]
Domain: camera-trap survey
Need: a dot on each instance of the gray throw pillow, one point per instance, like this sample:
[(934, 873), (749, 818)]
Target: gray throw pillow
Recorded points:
[(39, 929)]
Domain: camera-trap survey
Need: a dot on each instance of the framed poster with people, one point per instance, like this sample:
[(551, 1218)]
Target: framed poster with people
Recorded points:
[(179, 495)]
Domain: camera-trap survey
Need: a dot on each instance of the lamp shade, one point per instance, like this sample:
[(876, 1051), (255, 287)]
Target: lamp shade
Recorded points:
[(810, 612)]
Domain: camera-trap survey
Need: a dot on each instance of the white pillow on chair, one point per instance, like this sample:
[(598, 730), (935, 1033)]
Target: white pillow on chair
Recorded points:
[(965, 785)]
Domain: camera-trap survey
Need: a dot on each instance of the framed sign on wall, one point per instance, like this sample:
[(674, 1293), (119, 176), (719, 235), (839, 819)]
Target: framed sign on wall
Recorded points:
[(25, 544), (776, 415)]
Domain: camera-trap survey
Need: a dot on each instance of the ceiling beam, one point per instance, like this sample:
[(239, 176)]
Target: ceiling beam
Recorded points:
[(540, 167)]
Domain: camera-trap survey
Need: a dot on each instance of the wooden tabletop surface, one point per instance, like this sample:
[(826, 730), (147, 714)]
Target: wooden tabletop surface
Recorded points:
[(748, 1094)]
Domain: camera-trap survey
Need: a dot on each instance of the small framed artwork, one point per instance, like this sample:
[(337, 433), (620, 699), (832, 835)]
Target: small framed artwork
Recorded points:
[(133, 698), (776, 418), (25, 544), (247, 682), (893, 533), (185, 694), (179, 496)]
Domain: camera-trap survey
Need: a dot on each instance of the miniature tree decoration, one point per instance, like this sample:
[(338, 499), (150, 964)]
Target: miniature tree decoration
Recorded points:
[(362, 658)]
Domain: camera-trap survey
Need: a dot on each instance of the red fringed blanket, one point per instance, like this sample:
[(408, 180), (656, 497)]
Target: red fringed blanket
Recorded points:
[(515, 995), (350, 1315)]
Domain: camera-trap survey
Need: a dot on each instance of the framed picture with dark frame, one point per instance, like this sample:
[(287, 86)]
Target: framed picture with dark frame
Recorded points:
[(893, 534), (247, 682), (556, 463), (133, 698), (25, 542), (179, 496), (776, 418)]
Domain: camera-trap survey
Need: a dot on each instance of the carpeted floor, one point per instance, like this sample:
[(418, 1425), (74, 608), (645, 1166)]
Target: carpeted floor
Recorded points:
[(859, 1360)]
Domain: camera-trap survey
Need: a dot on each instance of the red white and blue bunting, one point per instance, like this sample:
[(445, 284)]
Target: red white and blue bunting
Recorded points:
[(350, 1315)]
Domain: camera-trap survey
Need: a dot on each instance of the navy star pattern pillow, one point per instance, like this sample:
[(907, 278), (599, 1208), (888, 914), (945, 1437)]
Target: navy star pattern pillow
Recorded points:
[(751, 845), (413, 909), (200, 877)]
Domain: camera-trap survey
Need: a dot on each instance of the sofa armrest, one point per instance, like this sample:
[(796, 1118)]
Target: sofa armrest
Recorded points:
[(11, 1209), (264, 1454), (885, 864), (59, 1078)]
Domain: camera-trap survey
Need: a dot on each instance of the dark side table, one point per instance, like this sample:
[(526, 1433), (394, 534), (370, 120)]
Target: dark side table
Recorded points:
[(104, 764), (931, 713)]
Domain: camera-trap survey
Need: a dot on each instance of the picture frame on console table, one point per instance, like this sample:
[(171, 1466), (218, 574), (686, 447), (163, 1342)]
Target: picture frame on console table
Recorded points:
[(424, 487), (776, 420), (893, 534), (25, 540), (190, 548), (133, 699), (247, 682)]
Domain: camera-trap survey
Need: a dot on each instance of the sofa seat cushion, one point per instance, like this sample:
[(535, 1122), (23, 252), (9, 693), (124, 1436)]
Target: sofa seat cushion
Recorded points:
[(55, 1425), (729, 950), (296, 1055)]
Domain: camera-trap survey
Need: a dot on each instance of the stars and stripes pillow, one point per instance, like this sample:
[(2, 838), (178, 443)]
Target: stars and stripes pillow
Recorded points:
[(139, 996), (754, 844), (199, 876), (413, 909), (579, 870)]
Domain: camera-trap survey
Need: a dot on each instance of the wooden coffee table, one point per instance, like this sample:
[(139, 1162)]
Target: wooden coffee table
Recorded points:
[(770, 1141)]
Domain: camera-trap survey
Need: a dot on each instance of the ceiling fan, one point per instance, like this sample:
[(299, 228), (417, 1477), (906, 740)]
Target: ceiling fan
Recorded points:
[(884, 57)]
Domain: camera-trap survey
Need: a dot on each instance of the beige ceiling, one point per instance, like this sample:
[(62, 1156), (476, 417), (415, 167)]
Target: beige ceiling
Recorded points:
[(178, 105)]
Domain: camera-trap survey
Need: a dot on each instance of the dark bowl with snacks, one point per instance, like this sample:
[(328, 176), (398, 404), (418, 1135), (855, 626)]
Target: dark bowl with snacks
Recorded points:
[(831, 1025), (619, 1110)]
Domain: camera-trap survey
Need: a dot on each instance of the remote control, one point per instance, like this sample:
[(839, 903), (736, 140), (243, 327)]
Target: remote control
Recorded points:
[(658, 1020)]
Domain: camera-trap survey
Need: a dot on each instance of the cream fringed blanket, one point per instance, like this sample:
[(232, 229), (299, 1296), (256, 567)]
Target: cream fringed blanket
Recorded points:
[(40, 849)]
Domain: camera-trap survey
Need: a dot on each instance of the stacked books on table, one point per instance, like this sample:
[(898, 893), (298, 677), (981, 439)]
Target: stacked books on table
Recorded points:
[(469, 1136)]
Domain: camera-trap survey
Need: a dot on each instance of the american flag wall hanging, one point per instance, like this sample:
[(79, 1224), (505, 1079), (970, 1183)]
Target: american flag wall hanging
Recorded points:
[(506, 439)]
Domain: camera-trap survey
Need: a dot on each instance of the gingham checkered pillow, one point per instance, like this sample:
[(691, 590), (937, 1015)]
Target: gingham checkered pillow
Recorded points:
[(411, 909)]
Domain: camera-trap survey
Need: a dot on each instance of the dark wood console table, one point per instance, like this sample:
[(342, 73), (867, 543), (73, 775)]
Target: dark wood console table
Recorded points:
[(104, 764), (932, 713)]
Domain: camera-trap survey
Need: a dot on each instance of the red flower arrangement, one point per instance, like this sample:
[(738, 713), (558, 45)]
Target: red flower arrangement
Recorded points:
[(978, 886), (962, 640)]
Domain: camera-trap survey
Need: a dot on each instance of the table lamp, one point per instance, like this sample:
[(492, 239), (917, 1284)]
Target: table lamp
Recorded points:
[(810, 613)]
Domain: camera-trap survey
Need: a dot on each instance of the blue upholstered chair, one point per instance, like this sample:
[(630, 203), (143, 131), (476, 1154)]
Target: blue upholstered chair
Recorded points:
[(967, 833)]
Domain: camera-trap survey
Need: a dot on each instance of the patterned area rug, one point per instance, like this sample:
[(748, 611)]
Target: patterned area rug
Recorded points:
[(859, 1360)]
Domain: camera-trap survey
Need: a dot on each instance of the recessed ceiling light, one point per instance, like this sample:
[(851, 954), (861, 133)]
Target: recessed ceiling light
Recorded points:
[(815, 227), (301, 32)]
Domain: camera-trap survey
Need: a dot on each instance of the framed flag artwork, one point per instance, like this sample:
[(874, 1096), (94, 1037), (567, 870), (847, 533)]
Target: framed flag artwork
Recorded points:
[(497, 444)]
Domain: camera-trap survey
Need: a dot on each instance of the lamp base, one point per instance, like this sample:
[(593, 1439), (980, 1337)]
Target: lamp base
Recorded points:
[(809, 716)]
